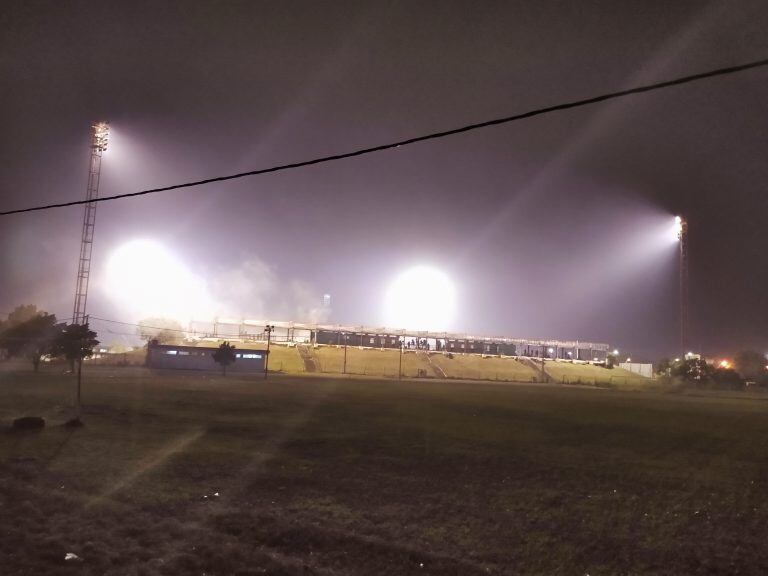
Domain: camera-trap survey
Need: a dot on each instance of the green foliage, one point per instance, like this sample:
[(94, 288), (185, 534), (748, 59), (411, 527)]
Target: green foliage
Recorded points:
[(224, 356), (164, 330), (698, 372), (31, 337), (75, 342), (692, 369)]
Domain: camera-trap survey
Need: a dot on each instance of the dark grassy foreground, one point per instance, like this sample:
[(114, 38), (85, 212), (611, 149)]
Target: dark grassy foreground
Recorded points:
[(318, 476)]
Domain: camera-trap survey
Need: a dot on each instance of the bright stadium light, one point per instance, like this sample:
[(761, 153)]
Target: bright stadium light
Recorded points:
[(421, 298), (145, 280), (101, 136)]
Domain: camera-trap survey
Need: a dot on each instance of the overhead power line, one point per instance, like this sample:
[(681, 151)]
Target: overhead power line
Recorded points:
[(414, 140), (142, 325), (180, 330)]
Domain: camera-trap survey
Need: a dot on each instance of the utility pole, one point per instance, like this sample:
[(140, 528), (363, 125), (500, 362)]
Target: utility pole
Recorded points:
[(268, 329), (344, 369)]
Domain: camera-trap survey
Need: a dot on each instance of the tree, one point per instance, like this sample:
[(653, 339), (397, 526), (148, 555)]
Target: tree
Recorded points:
[(164, 330), (664, 367), (751, 365), (75, 342), (727, 378), (21, 314), (693, 369), (32, 337), (224, 356)]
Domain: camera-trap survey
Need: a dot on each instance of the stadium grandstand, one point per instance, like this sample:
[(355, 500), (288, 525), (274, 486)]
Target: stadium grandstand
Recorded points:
[(382, 337)]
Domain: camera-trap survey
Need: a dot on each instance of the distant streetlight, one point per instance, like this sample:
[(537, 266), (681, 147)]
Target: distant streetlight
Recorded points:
[(615, 351), (268, 329)]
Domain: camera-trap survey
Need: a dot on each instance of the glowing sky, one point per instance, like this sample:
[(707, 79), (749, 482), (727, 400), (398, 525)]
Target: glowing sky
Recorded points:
[(548, 227)]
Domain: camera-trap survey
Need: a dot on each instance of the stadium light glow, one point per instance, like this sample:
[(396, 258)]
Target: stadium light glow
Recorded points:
[(421, 298), (676, 230), (101, 136), (146, 280)]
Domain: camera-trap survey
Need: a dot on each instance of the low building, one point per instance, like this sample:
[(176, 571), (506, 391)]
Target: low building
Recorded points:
[(640, 368), (201, 358)]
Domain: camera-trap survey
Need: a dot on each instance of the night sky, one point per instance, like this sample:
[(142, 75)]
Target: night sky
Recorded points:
[(549, 227)]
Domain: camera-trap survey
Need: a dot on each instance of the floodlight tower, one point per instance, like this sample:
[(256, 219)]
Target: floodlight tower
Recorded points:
[(682, 235), (99, 139)]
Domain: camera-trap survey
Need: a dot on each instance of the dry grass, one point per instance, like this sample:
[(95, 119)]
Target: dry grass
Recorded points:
[(574, 373), (335, 476), (371, 362), (476, 367)]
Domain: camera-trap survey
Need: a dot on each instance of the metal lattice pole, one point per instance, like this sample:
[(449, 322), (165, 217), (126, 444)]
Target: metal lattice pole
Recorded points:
[(684, 312), (99, 137)]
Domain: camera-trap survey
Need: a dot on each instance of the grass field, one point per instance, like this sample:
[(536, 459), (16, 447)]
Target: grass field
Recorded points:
[(385, 363), (370, 361), (476, 367), (572, 373), (194, 473)]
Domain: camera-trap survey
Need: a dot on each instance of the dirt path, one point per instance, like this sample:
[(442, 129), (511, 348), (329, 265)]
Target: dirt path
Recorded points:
[(435, 368), (539, 368), (306, 356)]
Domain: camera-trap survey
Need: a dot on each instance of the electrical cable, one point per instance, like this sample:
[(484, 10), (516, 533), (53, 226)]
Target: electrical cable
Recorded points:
[(414, 140)]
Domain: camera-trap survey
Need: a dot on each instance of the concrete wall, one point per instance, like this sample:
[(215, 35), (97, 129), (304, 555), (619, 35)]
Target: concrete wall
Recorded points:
[(194, 358), (638, 368)]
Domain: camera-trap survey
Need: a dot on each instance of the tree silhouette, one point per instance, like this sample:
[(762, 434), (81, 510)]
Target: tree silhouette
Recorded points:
[(751, 365), (22, 314), (32, 338), (75, 342), (224, 356)]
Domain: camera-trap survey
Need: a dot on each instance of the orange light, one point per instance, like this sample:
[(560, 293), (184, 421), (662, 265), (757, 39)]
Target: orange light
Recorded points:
[(725, 364)]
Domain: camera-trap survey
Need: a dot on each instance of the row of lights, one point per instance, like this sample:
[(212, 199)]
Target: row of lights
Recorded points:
[(101, 136)]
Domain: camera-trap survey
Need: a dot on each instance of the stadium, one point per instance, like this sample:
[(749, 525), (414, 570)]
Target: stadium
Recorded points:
[(388, 338)]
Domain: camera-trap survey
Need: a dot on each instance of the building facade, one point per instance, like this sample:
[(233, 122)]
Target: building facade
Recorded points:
[(167, 356)]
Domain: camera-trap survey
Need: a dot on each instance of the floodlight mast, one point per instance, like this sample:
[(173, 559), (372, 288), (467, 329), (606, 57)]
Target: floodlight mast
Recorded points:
[(99, 140), (682, 236)]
